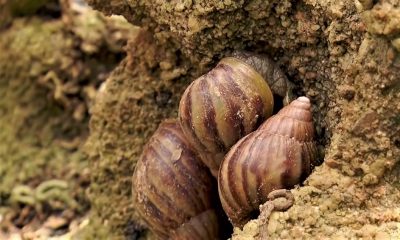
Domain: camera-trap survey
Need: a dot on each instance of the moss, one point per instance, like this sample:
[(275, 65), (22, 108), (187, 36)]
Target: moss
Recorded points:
[(47, 81), (29, 121)]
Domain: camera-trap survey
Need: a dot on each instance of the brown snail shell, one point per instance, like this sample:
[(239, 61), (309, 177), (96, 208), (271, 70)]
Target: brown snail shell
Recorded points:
[(222, 106), (172, 188), (280, 154)]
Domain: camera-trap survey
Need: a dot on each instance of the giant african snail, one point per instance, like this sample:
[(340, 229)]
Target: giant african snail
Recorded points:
[(280, 154), (172, 188), (229, 102)]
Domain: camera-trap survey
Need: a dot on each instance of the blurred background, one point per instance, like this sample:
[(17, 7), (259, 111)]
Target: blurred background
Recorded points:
[(54, 56)]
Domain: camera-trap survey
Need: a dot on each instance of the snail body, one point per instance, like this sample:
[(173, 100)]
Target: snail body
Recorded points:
[(227, 103), (280, 154), (173, 189), (271, 73)]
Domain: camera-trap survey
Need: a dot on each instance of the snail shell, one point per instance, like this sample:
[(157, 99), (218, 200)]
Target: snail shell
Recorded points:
[(222, 106), (280, 154), (172, 188)]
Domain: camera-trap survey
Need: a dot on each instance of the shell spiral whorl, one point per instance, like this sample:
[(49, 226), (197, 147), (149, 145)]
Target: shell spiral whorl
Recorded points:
[(280, 154), (172, 187), (222, 106)]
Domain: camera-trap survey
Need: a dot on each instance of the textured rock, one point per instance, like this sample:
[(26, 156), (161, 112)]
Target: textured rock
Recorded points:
[(341, 54)]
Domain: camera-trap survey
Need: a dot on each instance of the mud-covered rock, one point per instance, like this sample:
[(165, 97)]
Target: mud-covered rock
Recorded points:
[(341, 54)]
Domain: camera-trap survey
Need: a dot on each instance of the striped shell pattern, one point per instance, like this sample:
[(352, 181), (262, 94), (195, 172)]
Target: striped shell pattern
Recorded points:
[(173, 189), (280, 154), (222, 106)]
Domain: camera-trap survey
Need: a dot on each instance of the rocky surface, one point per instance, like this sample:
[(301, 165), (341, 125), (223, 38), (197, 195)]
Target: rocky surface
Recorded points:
[(343, 55)]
